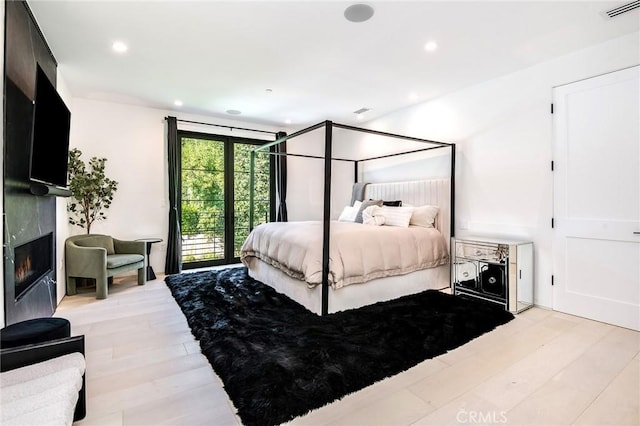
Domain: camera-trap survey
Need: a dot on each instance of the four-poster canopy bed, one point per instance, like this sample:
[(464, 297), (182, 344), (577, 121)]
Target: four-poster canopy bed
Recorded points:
[(354, 263)]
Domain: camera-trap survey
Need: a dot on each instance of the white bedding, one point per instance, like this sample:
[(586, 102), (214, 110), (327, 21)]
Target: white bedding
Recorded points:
[(358, 253), (351, 296)]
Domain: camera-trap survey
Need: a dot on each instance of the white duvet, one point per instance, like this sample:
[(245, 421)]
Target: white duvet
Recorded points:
[(358, 253)]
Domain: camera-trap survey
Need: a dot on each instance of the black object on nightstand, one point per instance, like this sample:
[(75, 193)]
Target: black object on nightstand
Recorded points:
[(149, 241)]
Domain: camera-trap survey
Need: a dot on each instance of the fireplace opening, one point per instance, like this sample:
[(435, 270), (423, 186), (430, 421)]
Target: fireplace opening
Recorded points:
[(33, 260)]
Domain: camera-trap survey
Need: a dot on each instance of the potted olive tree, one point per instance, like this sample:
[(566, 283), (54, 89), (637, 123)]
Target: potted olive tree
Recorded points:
[(92, 192)]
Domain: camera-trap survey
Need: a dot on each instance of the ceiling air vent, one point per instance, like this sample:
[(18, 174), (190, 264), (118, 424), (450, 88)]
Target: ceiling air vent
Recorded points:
[(628, 7), (363, 110)]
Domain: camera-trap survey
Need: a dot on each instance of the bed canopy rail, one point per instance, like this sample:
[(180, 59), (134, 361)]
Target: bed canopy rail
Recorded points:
[(328, 157)]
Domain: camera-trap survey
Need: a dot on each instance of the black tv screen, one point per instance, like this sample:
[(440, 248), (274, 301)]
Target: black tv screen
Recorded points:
[(50, 144)]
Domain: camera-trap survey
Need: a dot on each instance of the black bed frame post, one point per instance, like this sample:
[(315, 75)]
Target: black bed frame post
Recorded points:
[(327, 215), (252, 179), (452, 183), (355, 171)]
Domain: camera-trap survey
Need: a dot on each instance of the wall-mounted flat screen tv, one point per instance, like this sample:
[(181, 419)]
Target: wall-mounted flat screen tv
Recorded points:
[(50, 143)]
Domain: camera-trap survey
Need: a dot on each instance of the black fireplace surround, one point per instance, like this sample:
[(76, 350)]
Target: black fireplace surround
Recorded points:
[(29, 221)]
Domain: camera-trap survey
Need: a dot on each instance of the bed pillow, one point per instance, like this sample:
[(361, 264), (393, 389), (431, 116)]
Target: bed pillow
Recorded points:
[(372, 215), (424, 216), (396, 216), (348, 214), (364, 205)]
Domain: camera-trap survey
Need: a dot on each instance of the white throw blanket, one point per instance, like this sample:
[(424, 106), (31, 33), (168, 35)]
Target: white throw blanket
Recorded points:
[(42, 394), (358, 253)]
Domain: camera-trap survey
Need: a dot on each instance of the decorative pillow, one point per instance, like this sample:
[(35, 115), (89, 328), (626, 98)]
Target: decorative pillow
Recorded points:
[(357, 204), (372, 215), (397, 203), (424, 216), (348, 214), (396, 216), (364, 205)]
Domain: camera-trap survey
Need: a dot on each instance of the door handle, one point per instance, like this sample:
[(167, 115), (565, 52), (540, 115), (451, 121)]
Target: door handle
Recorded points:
[(636, 232)]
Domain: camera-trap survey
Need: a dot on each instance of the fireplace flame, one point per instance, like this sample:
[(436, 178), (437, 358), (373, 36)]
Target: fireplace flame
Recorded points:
[(24, 270)]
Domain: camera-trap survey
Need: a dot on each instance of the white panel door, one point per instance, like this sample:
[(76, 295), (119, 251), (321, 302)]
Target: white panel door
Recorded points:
[(597, 198)]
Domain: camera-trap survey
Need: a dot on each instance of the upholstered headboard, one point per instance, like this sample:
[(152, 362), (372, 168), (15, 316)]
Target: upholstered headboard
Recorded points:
[(434, 192)]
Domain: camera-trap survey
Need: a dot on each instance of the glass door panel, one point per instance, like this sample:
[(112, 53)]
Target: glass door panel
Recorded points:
[(215, 197), (203, 200), (262, 198)]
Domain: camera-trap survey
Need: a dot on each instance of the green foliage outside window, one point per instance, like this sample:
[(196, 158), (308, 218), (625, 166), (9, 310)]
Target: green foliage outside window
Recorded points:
[(203, 195)]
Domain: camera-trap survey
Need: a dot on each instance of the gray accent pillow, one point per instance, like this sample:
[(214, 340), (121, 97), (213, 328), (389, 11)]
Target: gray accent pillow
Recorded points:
[(364, 205)]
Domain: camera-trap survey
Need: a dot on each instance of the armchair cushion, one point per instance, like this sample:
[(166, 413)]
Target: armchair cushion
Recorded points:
[(117, 260), (102, 241)]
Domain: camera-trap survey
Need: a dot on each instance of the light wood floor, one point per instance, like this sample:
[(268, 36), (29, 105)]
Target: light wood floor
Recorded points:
[(543, 368)]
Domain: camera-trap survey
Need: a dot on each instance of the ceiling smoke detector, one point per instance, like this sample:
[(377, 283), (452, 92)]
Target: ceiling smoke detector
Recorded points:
[(358, 12), (617, 11)]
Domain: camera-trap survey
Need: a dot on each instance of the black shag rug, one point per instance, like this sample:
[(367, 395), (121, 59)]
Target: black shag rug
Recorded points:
[(278, 361)]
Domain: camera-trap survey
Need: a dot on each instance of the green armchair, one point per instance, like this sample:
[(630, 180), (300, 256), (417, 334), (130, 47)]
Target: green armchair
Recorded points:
[(101, 257)]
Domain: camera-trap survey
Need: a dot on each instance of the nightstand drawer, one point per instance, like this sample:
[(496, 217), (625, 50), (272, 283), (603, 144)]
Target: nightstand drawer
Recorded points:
[(466, 273), (478, 251)]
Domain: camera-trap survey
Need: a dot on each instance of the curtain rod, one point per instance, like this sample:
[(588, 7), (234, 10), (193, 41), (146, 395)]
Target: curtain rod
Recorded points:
[(223, 125)]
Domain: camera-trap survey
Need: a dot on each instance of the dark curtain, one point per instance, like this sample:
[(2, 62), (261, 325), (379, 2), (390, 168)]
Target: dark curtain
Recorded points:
[(173, 262), (281, 179)]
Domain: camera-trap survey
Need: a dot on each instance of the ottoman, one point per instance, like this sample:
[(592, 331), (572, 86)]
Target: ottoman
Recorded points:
[(35, 330)]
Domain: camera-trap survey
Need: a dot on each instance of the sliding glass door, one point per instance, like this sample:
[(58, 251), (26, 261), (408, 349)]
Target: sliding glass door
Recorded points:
[(214, 203)]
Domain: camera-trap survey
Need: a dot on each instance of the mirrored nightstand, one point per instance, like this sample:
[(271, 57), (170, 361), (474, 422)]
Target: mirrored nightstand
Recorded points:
[(495, 270)]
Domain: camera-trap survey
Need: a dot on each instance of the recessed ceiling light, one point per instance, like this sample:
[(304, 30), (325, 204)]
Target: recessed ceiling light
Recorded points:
[(119, 47), (359, 116), (234, 112), (287, 121), (431, 46), (358, 12), (177, 102), (413, 96)]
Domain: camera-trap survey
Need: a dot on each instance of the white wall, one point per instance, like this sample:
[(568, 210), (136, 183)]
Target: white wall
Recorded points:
[(305, 179), (431, 164), (133, 139), (503, 132)]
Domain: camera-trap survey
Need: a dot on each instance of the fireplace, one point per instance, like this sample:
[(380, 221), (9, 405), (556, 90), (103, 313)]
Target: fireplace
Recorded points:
[(33, 261), (26, 217)]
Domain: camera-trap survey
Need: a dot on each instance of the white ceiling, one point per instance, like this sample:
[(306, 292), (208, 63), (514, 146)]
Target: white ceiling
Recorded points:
[(216, 56)]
